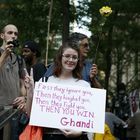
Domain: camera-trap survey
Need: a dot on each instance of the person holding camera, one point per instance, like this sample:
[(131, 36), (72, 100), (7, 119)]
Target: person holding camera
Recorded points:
[(11, 70)]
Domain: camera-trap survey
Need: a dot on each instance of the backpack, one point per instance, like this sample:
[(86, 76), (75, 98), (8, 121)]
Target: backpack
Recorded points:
[(20, 65), (44, 79), (120, 131)]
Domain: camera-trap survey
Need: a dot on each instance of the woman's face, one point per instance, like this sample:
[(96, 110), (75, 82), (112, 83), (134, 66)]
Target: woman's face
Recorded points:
[(84, 47), (69, 59)]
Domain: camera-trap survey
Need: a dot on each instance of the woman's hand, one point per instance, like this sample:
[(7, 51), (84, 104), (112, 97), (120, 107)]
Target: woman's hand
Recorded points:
[(93, 71), (71, 133), (93, 77), (29, 83)]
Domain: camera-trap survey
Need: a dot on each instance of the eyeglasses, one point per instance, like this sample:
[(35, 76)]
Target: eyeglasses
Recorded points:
[(69, 56)]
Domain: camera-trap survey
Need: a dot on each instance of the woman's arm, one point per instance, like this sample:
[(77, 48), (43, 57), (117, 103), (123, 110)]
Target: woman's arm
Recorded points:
[(29, 85)]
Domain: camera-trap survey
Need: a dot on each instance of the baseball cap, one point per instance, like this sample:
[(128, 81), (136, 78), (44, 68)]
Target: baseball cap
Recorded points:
[(33, 46)]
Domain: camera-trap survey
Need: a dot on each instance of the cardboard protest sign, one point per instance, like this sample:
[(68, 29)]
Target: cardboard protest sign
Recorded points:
[(68, 107)]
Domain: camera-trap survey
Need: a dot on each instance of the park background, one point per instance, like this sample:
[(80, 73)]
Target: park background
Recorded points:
[(49, 22)]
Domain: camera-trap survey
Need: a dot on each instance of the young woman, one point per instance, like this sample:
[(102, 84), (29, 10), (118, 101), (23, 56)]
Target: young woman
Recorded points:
[(89, 70), (67, 70)]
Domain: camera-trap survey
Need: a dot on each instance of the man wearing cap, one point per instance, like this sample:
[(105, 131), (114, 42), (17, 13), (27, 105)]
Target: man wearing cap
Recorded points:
[(31, 53)]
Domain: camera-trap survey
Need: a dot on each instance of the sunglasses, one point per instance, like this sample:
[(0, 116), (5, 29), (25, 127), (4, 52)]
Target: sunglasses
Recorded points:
[(86, 45)]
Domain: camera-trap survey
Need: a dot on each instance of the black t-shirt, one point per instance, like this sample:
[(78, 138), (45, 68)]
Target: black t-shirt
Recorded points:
[(39, 70)]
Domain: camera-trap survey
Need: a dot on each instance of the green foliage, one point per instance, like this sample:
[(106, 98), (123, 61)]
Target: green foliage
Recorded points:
[(31, 18), (119, 37)]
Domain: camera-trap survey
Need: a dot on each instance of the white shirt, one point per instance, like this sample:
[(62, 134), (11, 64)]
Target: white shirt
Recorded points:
[(70, 81)]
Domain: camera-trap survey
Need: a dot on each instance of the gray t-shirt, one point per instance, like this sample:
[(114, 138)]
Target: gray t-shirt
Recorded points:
[(9, 80)]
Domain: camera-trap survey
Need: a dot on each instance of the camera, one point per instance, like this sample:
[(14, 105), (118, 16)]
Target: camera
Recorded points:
[(15, 43)]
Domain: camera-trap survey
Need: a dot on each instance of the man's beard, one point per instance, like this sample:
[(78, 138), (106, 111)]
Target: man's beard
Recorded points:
[(28, 60)]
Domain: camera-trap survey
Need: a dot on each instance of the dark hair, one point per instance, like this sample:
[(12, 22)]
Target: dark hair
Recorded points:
[(58, 60), (77, 37)]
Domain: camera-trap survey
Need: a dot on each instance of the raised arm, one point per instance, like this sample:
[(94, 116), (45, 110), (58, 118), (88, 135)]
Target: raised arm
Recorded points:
[(29, 85), (93, 77), (4, 55)]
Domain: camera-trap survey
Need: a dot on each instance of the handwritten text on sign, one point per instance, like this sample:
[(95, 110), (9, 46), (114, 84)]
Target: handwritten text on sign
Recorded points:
[(68, 107)]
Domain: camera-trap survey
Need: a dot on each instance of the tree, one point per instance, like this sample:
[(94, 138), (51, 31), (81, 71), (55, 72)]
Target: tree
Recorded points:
[(118, 55), (66, 20), (31, 17), (119, 44)]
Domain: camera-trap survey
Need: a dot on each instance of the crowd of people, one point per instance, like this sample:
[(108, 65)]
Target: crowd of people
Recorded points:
[(70, 67)]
